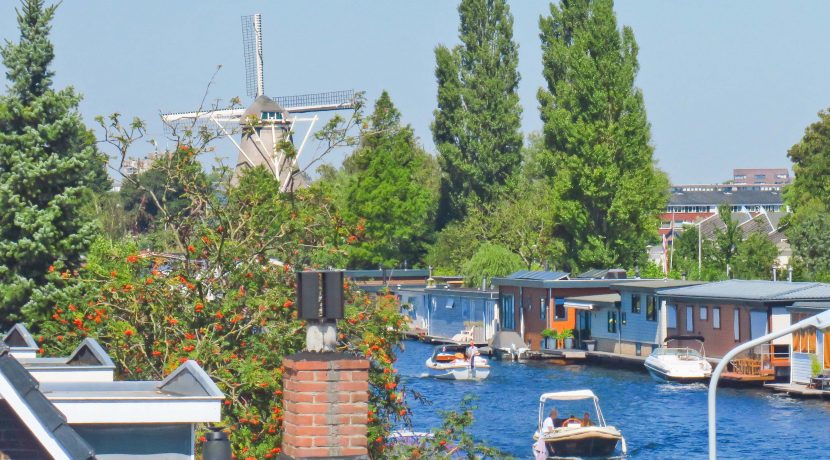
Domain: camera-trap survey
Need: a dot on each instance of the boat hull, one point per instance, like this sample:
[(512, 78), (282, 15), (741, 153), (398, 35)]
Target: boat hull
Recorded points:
[(583, 443), (452, 371), (663, 375)]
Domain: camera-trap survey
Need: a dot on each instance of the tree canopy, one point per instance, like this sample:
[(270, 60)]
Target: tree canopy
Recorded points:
[(477, 122), (389, 193), (606, 190), (49, 166)]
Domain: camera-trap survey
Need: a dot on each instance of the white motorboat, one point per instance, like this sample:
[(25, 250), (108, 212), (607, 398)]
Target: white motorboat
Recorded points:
[(574, 437), (450, 362), (681, 364)]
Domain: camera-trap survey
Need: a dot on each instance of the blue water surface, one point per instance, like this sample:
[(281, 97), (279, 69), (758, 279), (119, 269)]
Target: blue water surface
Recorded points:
[(659, 421)]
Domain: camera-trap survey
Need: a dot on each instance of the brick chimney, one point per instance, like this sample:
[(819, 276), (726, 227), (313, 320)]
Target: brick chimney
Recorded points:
[(325, 397)]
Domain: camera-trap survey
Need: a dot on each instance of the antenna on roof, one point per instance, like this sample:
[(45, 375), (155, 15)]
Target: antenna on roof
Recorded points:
[(252, 50)]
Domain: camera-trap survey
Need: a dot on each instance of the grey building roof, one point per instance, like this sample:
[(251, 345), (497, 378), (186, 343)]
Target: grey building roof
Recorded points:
[(751, 290), (652, 285), (19, 337), (735, 198), (88, 354), (47, 415), (188, 380), (264, 104), (537, 275), (811, 306)]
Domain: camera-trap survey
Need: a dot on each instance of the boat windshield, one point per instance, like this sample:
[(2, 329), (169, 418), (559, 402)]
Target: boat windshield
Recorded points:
[(569, 414), (680, 352)]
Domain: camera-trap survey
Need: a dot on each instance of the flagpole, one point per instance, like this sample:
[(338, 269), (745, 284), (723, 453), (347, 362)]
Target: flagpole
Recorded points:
[(671, 254)]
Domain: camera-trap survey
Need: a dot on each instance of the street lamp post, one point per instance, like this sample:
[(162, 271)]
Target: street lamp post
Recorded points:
[(820, 321)]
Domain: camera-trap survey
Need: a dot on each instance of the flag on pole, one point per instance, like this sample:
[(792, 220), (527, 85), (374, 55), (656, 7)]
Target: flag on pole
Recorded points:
[(665, 255)]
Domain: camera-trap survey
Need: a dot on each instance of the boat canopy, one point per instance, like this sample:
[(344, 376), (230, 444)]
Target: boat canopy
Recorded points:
[(568, 395)]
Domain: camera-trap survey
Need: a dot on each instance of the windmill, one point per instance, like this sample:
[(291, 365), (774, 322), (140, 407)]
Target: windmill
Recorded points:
[(267, 122)]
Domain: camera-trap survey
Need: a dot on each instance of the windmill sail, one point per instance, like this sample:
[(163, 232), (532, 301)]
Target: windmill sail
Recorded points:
[(252, 50)]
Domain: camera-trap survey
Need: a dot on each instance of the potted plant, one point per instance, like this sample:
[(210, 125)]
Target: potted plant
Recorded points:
[(548, 334), (568, 337)]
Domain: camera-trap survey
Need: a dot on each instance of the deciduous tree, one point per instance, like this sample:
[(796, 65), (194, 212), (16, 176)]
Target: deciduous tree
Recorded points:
[(607, 190), (49, 166), (476, 127)]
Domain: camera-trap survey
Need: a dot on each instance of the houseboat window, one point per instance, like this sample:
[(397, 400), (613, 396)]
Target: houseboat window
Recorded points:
[(804, 341), (508, 322), (623, 319), (635, 303), (559, 311), (704, 313), (671, 317), (543, 311), (690, 318), (716, 317), (736, 324), (612, 321), (651, 308), (450, 303)]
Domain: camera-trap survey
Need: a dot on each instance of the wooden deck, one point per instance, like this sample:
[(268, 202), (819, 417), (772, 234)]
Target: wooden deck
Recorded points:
[(794, 389), (566, 355), (736, 377)]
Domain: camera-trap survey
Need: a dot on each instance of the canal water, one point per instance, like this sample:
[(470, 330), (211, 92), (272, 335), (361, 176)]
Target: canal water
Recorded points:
[(659, 421)]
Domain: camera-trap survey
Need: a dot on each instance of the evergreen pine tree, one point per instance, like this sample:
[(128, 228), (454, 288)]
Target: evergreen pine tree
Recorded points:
[(391, 192), (48, 167), (476, 127), (606, 190)]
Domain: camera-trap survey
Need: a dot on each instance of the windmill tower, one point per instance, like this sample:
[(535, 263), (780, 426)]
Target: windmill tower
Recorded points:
[(267, 122)]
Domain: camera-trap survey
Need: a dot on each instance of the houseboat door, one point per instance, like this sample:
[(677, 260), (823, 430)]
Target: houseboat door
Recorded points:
[(583, 326)]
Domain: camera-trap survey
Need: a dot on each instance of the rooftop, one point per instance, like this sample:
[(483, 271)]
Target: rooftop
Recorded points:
[(736, 198), (752, 290)]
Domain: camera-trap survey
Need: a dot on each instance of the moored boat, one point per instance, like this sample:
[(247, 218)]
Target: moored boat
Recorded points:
[(574, 437), (450, 362), (679, 364)]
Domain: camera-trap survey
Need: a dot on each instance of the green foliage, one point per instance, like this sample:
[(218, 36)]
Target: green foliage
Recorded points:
[(447, 441), (490, 260), (477, 122), (728, 239), (809, 198), (49, 167), (225, 301), (755, 257), (607, 192), (515, 222), (809, 235), (815, 365), (811, 165), (389, 193)]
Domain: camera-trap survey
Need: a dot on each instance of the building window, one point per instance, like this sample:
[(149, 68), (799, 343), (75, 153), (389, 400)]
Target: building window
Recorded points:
[(736, 324), (506, 312), (543, 310), (271, 115), (671, 317), (651, 308), (623, 319), (804, 341), (450, 303), (704, 313), (559, 311), (690, 318), (716, 317), (635, 303), (612, 321)]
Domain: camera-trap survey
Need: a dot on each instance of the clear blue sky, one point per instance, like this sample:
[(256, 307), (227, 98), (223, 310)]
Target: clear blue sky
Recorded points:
[(726, 84)]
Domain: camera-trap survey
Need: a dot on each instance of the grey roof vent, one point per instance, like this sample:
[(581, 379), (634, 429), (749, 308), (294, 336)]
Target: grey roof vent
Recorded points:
[(90, 353), (19, 337)]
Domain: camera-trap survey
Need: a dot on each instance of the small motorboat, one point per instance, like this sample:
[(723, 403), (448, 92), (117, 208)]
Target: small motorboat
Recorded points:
[(450, 362), (574, 437), (681, 364)]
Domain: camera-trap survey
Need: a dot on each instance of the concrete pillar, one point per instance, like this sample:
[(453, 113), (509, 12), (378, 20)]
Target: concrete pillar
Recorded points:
[(326, 404)]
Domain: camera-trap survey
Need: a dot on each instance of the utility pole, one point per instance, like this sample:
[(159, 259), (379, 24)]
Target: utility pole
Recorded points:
[(699, 250)]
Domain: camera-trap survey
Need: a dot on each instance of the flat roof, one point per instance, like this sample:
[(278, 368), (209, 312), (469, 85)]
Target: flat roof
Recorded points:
[(555, 284), (653, 284), (752, 290)]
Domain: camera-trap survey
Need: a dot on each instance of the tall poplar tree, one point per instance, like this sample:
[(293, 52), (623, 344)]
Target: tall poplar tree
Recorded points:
[(48, 168), (476, 127), (606, 189), (390, 193)]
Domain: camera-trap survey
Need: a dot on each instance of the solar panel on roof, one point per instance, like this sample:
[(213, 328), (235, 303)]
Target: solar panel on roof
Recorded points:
[(537, 275)]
